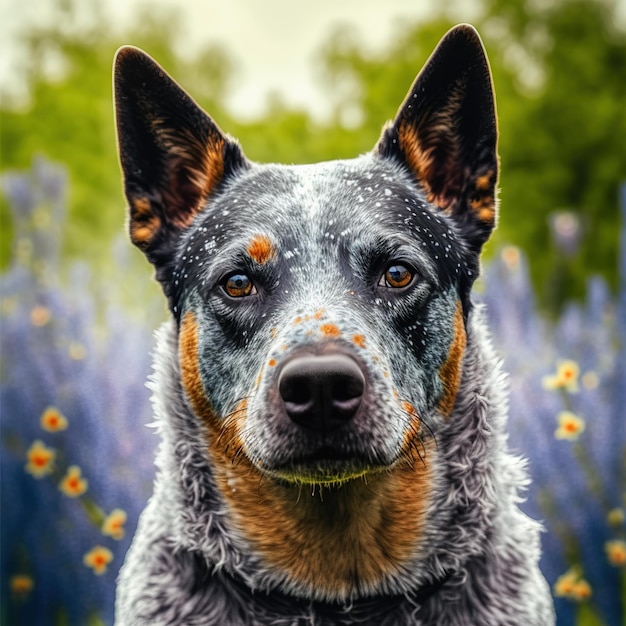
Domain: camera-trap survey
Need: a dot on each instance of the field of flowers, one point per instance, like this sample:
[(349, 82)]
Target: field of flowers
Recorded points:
[(77, 455)]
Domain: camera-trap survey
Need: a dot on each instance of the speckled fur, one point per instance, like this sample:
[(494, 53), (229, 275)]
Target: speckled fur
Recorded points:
[(321, 237)]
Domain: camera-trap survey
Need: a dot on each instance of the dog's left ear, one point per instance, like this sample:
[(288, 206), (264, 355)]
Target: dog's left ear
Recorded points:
[(446, 133)]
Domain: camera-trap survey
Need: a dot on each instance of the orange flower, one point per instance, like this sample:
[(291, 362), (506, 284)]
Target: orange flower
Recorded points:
[(53, 420), (98, 558), (571, 585), (113, 525), (40, 459), (616, 552), (40, 315), (581, 591), (21, 585), (73, 484), (566, 377), (570, 426)]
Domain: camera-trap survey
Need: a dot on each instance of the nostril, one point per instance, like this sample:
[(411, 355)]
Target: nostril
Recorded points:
[(295, 390), (321, 392), (348, 388)]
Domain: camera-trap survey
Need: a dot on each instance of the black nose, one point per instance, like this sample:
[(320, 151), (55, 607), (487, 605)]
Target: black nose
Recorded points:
[(321, 392)]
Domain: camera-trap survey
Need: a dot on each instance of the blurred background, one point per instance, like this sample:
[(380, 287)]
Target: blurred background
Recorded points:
[(300, 82)]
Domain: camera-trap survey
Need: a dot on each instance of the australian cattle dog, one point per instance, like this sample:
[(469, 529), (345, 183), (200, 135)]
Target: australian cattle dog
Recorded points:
[(332, 415)]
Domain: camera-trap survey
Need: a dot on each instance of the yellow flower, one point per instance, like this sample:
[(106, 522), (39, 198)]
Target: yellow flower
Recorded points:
[(511, 257), (77, 351), (571, 585), (590, 380), (40, 315), (113, 525), (40, 459), (73, 484), (565, 583), (570, 426), (53, 420), (616, 552), (21, 585), (615, 517), (566, 377), (98, 558)]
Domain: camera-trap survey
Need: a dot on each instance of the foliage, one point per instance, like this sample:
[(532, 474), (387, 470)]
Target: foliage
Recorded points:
[(558, 69)]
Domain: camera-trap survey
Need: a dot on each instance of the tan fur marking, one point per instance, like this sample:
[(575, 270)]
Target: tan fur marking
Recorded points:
[(330, 330), (260, 249), (194, 170), (360, 532), (190, 368), (144, 223), (450, 372), (318, 315), (483, 202), (484, 207), (421, 154), (485, 182)]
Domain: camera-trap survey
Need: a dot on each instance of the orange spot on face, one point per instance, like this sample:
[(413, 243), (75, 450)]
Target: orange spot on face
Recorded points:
[(359, 340), (450, 371), (274, 333), (330, 330), (297, 321), (319, 314), (272, 362), (260, 249)]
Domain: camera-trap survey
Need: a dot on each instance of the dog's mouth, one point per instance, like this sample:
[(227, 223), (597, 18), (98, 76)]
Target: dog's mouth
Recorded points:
[(328, 466)]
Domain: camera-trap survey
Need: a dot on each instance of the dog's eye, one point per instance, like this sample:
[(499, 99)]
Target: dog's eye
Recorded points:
[(397, 276), (238, 285)]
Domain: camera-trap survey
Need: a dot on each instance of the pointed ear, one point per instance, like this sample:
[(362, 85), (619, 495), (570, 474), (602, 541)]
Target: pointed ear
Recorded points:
[(446, 133), (173, 156)]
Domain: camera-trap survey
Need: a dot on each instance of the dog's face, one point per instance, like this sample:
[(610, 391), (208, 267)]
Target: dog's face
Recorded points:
[(321, 308), (327, 306)]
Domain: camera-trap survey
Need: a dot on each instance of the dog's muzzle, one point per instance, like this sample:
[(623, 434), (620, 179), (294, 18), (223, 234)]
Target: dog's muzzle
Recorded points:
[(321, 392)]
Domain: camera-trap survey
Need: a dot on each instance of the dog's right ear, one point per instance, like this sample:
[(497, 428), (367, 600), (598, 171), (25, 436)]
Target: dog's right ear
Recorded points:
[(173, 155)]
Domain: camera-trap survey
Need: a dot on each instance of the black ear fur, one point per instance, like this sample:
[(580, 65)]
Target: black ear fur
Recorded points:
[(446, 133), (173, 155)]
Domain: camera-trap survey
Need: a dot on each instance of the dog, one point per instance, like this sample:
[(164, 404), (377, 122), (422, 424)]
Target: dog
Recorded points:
[(331, 411)]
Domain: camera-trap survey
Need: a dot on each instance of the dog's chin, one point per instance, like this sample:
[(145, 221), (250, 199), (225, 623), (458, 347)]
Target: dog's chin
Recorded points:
[(324, 469)]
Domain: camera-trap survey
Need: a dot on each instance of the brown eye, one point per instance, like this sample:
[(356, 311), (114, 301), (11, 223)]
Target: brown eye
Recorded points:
[(396, 276), (238, 286)]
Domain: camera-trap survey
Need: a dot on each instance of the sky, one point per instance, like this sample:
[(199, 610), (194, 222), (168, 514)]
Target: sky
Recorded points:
[(271, 41)]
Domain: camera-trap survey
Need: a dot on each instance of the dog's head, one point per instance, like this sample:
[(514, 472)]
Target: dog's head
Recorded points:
[(321, 308)]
